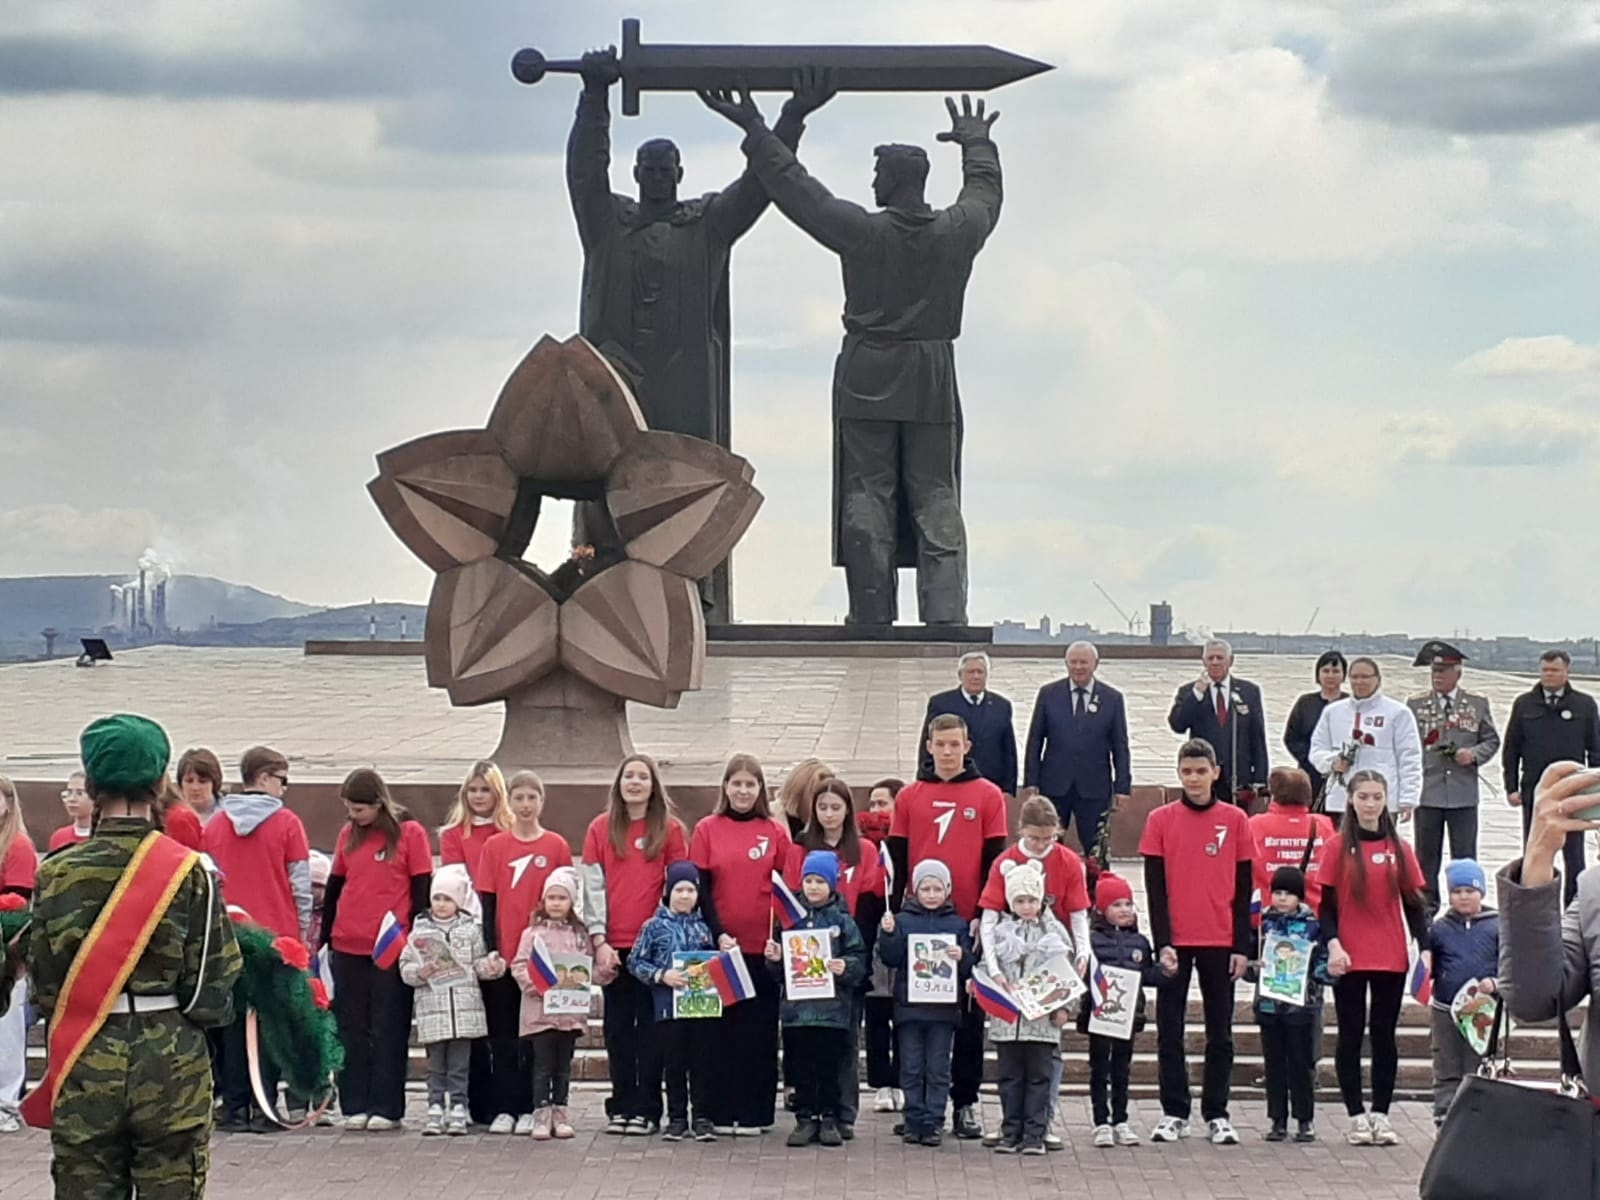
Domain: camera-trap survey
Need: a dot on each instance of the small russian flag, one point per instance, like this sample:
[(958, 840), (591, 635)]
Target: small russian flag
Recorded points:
[(322, 968), (993, 997), (1099, 985), (786, 905), (731, 977), (541, 967), (1421, 982), (886, 861), (391, 942), (1255, 905)]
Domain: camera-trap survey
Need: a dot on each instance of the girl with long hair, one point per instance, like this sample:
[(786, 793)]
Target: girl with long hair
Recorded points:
[(1371, 910), (738, 848), (482, 809), (18, 866), (626, 852), (794, 796), (382, 867)]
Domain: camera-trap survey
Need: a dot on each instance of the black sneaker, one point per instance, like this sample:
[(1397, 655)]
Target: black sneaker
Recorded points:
[(847, 1131), (805, 1132), (900, 1129), (703, 1131), (235, 1121), (828, 1133), (643, 1127), (1305, 1132), (677, 1129), (910, 1137), (931, 1137), (1034, 1147), (966, 1125), (1008, 1146), (1278, 1133)]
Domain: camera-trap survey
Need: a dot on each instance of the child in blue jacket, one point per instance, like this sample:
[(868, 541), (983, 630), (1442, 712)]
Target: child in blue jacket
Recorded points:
[(1288, 1031), (817, 1032), (1466, 950), (686, 1044), (925, 1033)]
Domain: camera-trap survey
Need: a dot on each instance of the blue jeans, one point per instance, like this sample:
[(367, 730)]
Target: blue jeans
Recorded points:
[(925, 1048)]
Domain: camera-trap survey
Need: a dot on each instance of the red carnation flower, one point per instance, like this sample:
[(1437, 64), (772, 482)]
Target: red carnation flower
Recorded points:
[(319, 994), (11, 902), (1433, 736), (294, 952)]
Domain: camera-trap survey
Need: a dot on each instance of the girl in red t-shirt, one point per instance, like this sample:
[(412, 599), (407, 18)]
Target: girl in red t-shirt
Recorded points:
[(482, 809), (862, 887), (1371, 911), (383, 865), (18, 865), (883, 1064), (75, 799), (737, 848), (511, 875), (626, 852)]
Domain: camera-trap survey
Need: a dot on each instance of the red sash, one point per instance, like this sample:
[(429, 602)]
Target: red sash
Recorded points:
[(104, 961)]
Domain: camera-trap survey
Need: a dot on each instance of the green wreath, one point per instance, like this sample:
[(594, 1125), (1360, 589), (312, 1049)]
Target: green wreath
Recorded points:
[(296, 1026)]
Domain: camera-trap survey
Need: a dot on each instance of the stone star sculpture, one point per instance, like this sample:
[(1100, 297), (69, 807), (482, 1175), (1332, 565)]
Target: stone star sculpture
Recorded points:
[(621, 619)]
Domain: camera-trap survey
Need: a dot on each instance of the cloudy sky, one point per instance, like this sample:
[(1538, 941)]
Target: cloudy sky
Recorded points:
[(1292, 305)]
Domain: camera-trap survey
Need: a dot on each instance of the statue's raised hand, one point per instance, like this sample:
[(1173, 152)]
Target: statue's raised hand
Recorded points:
[(966, 124), (600, 68), (813, 87), (735, 105)]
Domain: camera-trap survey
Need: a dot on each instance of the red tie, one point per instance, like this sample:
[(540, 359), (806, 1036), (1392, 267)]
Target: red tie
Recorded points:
[(1222, 706)]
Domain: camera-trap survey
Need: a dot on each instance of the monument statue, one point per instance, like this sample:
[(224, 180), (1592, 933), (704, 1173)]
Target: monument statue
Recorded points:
[(655, 274), (896, 407), (619, 620)]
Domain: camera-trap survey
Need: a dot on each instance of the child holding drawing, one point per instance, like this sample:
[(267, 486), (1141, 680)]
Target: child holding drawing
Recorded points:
[(924, 1025), (822, 961), (443, 961), (1292, 971), (686, 1043), (551, 1037), (1118, 946), (1466, 950)]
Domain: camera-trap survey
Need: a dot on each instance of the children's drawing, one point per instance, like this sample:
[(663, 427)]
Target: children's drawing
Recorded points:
[(1114, 1016), (439, 966), (805, 964), (1053, 984), (570, 995), (698, 998), (930, 971), (1474, 1012), (1285, 969)]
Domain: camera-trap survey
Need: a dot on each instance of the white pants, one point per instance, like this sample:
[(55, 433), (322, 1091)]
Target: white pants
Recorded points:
[(14, 1047)]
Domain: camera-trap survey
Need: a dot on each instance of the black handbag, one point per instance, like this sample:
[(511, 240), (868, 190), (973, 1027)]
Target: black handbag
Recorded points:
[(1508, 1140)]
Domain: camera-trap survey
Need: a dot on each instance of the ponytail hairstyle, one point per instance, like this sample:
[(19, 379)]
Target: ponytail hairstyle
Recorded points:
[(812, 836)]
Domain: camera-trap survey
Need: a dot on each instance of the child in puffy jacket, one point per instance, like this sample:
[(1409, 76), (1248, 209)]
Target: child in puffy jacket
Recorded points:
[(448, 1005), (551, 1037), (1116, 941), (1466, 951), (817, 1032), (1289, 1031), (687, 1043)]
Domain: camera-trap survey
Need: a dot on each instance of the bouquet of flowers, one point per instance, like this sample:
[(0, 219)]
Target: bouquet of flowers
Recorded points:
[(15, 921), (1436, 743)]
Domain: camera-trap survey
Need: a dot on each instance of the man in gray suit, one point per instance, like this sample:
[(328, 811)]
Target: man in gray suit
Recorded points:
[(1458, 737)]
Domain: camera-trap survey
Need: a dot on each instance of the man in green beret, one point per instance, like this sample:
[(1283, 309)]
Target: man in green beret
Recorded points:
[(132, 918)]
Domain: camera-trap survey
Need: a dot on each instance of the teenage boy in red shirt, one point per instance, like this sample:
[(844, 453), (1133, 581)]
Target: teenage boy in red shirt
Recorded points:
[(955, 815), (1198, 863)]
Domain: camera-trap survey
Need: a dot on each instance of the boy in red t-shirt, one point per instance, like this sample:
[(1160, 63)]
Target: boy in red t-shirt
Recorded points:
[(1198, 862), (953, 814)]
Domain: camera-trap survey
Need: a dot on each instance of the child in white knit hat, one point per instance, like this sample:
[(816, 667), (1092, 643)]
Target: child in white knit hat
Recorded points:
[(444, 958)]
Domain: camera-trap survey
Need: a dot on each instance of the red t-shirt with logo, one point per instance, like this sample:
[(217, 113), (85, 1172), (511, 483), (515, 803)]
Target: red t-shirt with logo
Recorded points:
[(513, 871), (255, 868), (865, 879), (376, 881), (67, 835), (1202, 849), (456, 847), (1280, 835), (950, 821), (742, 855), (19, 868), (634, 883), (1066, 891), (1372, 930)]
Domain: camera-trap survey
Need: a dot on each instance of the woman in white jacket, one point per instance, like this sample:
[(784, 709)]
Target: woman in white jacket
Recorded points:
[(1380, 733)]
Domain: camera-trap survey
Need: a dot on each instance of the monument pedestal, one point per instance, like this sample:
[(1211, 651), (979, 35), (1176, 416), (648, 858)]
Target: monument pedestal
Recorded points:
[(564, 721)]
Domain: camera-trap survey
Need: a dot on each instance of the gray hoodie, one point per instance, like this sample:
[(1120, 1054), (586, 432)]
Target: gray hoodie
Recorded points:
[(247, 812)]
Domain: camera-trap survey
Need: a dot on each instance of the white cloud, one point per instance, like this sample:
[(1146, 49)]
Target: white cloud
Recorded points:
[(1549, 354)]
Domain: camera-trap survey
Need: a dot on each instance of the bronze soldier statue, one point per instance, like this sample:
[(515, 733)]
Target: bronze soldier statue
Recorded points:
[(896, 408), (131, 956), (655, 273)]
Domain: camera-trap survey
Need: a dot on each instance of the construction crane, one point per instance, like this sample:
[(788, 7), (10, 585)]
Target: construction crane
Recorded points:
[(1133, 622)]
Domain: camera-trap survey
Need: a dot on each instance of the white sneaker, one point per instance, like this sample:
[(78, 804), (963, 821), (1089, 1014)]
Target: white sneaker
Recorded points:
[(1383, 1133), (524, 1125), (1360, 1130), (356, 1122), (433, 1123), (1222, 1132), (884, 1100), (9, 1122), (899, 1100), (1169, 1129), (1103, 1137), (383, 1125), (1125, 1135), (503, 1124)]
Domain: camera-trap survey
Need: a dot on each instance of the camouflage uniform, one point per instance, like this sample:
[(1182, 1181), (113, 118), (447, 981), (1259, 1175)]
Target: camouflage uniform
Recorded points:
[(135, 1112)]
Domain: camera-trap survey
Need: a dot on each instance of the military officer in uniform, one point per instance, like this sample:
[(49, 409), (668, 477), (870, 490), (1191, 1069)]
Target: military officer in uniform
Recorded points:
[(1458, 738), (129, 921)]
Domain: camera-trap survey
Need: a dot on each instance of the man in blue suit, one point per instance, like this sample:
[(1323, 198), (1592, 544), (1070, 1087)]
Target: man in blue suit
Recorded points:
[(1077, 752), (988, 718), (1226, 711)]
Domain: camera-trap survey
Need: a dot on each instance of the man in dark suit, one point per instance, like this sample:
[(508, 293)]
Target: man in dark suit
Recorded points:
[(1550, 724), (1226, 712), (988, 718), (1077, 753)]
